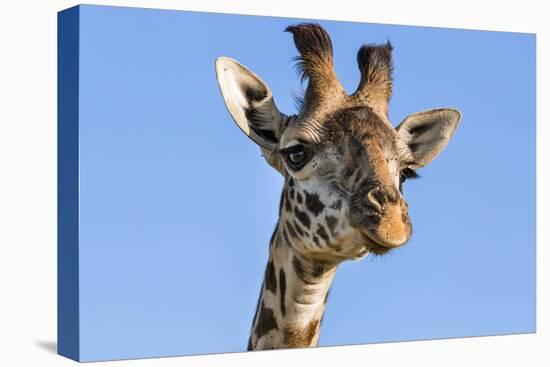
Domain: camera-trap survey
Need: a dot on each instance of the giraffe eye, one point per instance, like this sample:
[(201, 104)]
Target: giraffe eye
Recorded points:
[(296, 156)]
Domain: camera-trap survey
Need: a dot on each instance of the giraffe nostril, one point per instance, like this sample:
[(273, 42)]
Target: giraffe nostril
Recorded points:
[(375, 197)]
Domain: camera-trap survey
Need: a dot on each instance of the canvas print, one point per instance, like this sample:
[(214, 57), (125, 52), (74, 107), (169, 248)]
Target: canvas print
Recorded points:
[(238, 183)]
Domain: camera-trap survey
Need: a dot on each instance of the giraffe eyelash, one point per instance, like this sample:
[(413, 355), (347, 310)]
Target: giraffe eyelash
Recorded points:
[(409, 173)]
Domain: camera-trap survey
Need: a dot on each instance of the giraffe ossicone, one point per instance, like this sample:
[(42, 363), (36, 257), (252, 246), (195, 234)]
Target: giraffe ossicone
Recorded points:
[(344, 165)]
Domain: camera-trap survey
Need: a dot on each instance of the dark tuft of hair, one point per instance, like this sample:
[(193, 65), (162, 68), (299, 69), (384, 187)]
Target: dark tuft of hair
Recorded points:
[(315, 48), (375, 87), (375, 62)]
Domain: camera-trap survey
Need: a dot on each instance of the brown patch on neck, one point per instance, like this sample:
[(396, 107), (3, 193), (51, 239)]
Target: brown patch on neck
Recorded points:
[(266, 321), (296, 337)]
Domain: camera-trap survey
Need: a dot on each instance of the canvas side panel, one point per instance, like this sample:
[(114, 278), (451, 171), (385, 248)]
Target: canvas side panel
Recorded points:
[(67, 183)]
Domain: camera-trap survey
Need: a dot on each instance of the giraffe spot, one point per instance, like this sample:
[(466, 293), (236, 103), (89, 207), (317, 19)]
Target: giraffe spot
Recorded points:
[(266, 322), (309, 275), (299, 269), (318, 269), (296, 337), (285, 237), (313, 203), (316, 240), (299, 198), (302, 217), (288, 204), (281, 202), (277, 240), (291, 182), (291, 193), (282, 289), (298, 228), (291, 230), (321, 231), (332, 222), (257, 310), (270, 279)]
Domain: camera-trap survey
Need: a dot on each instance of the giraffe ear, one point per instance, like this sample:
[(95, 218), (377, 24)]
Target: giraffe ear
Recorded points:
[(427, 133), (250, 102)]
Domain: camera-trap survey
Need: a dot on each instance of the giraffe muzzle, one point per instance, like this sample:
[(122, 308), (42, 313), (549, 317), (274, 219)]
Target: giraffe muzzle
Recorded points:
[(382, 215)]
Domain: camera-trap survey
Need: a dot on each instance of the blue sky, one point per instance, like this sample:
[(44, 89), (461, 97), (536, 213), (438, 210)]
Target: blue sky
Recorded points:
[(177, 206)]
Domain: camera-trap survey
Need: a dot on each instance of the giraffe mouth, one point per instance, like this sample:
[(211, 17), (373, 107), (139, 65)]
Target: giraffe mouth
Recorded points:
[(372, 246)]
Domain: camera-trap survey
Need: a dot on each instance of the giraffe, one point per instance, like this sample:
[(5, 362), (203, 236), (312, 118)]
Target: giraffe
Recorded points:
[(343, 165)]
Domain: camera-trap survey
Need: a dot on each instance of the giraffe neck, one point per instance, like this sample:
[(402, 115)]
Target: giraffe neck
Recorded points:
[(292, 299)]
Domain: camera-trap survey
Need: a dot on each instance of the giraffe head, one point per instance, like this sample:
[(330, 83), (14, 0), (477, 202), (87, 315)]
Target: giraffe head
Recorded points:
[(344, 163)]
